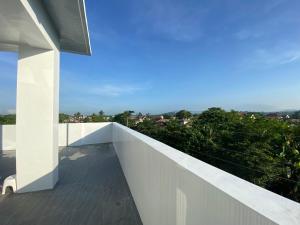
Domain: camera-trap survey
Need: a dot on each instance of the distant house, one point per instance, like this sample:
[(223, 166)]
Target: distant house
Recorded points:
[(185, 121), (140, 119), (161, 120), (107, 118)]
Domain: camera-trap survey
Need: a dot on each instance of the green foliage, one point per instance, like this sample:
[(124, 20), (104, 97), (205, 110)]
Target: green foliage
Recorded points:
[(63, 117), (149, 127), (183, 114), (261, 150), (8, 119), (77, 115), (124, 118), (98, 118), (296, 115)]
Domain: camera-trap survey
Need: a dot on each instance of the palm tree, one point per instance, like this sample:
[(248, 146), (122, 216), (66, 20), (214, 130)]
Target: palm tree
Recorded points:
[(126, 115)]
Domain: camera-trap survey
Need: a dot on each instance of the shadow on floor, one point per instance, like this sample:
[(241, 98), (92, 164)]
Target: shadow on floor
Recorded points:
[(92, 190), (7, 164)]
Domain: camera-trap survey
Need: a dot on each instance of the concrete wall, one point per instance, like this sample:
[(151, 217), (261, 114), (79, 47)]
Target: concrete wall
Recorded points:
[(8, 137), (88, 133), (73, 134), (63, 134), (172, 188)]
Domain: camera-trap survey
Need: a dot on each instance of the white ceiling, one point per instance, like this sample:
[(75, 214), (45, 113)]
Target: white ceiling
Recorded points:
[(67, 17), (16, 27)]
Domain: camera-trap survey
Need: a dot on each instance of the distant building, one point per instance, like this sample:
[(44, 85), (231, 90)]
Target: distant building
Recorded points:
[(161, 120), (140, 119), (185, 121)]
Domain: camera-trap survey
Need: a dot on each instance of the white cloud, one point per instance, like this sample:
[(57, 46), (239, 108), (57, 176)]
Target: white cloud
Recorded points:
[(266, 58), (277, 57), (114, 90)]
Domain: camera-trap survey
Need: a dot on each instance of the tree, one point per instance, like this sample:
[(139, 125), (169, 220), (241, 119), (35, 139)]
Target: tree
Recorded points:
[(140, 115), (127, 115), (101, 113), (296, 115), (77, 115), (97, 118), (261, 150), (150, 128), (63, 117), (8, 119), (124, 118), (183, 114), (119, 118)]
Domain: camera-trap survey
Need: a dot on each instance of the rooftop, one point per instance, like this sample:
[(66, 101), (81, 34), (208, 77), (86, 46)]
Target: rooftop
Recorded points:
[(110, 174), (92, 190)]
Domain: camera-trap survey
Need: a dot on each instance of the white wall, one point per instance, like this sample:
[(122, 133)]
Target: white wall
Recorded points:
[(74, 134), (89, 133), (172, 188), (8, 137), (62, 134)]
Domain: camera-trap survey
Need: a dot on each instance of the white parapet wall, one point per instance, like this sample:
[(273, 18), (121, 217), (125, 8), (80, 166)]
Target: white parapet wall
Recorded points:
[(70, 134), (88, 133), (173, 188), (7, 137)]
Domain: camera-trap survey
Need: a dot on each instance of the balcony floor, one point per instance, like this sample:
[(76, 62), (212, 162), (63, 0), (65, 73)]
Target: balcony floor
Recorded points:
[(92, 190)]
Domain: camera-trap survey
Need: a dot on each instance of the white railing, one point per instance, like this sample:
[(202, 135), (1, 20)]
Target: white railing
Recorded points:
[(172, 188)]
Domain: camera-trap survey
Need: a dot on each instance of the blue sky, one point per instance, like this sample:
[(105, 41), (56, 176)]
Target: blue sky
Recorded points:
[(165, 55)]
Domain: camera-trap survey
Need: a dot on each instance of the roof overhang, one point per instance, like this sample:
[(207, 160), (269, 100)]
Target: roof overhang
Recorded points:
[(44, 24), (70, 21)]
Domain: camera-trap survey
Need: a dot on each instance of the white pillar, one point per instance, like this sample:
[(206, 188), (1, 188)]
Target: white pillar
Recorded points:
[(37, 119)]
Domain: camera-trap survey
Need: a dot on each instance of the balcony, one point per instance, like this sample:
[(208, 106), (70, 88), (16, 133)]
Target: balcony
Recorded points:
[(92, 190), (110, 174)]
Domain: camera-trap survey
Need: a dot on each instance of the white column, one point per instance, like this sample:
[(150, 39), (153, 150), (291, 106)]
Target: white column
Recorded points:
[(37, 119)]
